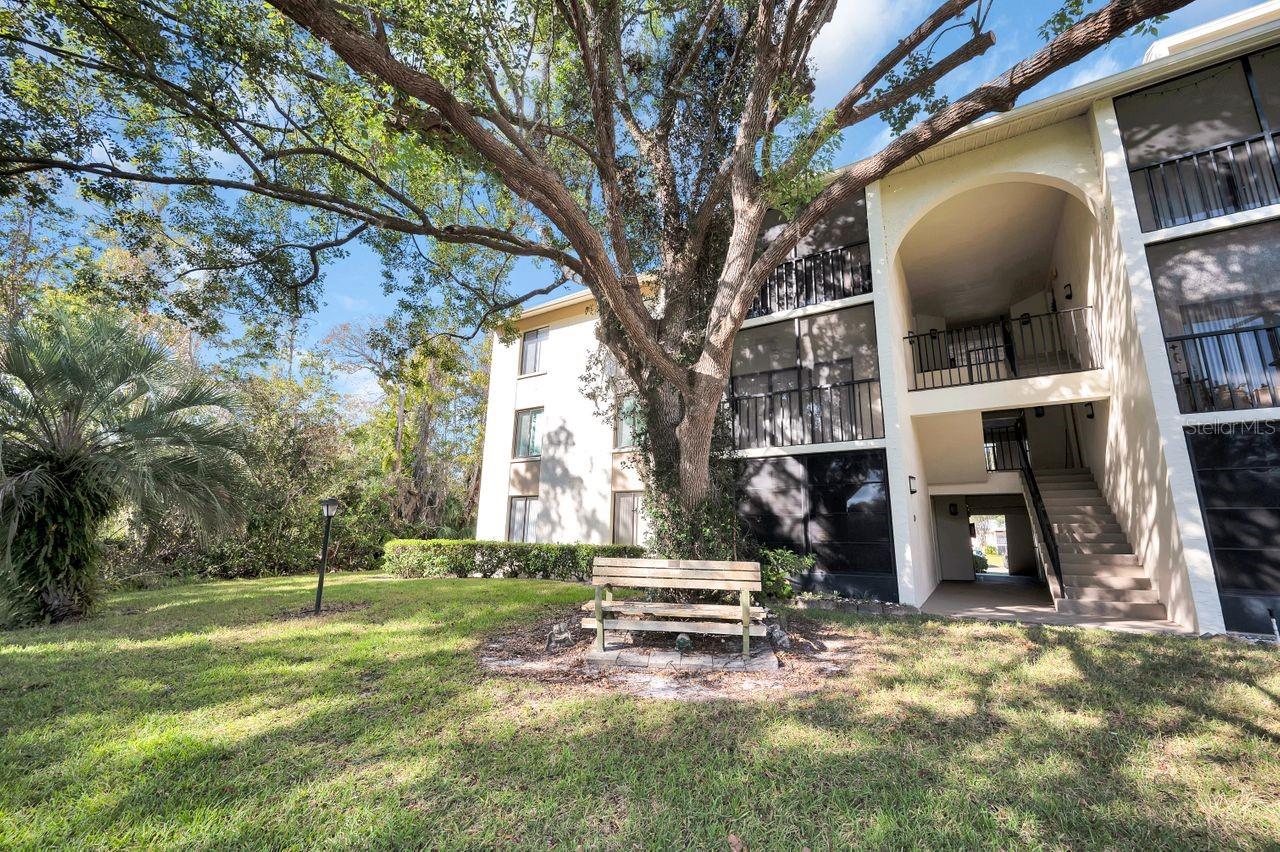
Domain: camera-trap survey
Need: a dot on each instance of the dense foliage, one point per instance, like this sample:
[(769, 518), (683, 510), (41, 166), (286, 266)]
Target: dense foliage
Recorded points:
[(308, 441), (458, 558), (234, 148), (96, 419)]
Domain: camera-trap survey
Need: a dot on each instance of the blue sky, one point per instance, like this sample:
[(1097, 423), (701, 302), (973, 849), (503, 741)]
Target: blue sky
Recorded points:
[(860, 31)]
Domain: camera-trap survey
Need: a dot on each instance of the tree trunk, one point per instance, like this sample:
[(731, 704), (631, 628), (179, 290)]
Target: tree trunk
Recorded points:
[(399, 456), (693, 437), (680, 430)]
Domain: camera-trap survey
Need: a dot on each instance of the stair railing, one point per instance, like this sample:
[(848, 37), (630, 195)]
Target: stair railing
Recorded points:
[(1037, 505)]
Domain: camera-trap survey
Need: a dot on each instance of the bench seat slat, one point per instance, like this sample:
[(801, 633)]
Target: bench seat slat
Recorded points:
[(721, 628), (731, 612), (691, 564), (681, 573), (665, 583)]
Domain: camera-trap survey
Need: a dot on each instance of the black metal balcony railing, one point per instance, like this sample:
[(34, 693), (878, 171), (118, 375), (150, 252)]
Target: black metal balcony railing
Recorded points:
[(1226, 370), (841, 411), (1008, 348), (825, 276), (1216, 181), (1000, 445)]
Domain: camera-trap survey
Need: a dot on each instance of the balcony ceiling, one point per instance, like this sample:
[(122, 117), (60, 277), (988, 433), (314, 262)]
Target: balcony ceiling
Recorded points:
[(982, 251)]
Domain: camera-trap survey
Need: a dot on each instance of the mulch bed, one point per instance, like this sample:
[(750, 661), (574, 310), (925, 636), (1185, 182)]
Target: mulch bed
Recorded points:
[(818, 653)]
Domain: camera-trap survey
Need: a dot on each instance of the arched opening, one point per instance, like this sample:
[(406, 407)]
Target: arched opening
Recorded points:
[(998, 283)]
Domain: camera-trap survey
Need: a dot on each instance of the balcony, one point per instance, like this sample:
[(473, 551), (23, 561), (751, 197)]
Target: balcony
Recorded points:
[(1008, 348), (1203, 184), (819, 414), (1226, 370), (824, 276), (1203, 145), (1003, 444)]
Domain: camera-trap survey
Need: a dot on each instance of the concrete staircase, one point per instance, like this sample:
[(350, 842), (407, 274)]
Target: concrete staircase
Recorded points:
[(1101, 574)]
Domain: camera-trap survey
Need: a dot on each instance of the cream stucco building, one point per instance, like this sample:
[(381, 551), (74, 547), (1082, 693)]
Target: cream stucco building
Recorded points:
[(1066, 316)]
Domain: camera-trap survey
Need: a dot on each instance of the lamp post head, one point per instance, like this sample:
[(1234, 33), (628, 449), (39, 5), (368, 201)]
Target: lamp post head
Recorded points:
[(330, 506)]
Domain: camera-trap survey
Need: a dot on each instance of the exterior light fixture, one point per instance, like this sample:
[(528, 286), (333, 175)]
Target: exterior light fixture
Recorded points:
[(911, 484), (953, 509), (1088, 411), (329, 506), (1066, 292), (1039, 411)]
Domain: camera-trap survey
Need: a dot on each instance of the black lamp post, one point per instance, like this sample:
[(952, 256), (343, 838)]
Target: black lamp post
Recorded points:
[(330, 507)]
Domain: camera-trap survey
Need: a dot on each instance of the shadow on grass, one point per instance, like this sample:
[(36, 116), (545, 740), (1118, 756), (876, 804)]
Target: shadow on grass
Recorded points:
[(197, 716)]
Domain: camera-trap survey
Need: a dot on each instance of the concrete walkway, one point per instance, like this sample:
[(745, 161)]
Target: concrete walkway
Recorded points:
[(1027, 603)]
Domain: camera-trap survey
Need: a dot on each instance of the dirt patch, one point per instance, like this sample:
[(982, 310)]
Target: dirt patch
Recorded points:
[(328, 609), (818, 653)]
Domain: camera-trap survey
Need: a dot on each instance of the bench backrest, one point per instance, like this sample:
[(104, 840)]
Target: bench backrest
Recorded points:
[(676, 574)]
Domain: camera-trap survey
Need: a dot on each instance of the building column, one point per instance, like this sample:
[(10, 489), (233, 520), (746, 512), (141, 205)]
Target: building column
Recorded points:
[(912, 532), (1123, 209)]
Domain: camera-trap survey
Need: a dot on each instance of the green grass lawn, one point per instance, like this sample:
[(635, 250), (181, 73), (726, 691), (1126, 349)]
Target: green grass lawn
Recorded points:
[(198, 716)]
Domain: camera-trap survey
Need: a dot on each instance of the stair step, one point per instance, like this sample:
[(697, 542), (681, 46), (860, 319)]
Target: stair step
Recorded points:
[(1073, 534), (1059, 507), (1082, 514), (1062, 471), (1057, 489), (1080, 570), (1091, 524), (1099, 558), (1106, 581), (1106, 593), (1057, 501), (1065, 546), (1113, 609)]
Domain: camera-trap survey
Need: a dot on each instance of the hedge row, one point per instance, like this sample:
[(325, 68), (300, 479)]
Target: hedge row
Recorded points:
[(444, 557)]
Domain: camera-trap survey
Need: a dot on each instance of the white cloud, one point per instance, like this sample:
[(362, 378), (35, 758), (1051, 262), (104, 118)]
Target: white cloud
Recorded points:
[(859, 33), (360, 384), (1104, 65), (351, 304)]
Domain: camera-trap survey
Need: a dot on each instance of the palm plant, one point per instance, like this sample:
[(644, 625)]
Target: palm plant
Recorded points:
[(97, 418)]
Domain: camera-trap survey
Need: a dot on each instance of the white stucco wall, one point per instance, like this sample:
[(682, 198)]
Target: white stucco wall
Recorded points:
[(1147, 474), (495, 472), (576, 469)]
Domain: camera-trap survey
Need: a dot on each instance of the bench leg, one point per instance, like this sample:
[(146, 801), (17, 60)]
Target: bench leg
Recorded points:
[(746, 623), (599, 622)]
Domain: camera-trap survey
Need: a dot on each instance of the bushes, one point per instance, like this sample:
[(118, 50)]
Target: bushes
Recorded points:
[(779, 567), (443, 557)]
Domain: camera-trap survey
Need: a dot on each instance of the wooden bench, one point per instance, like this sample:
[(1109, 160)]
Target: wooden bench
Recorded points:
[(716, 619)]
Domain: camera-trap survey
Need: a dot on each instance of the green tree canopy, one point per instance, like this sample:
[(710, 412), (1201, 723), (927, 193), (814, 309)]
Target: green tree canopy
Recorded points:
[(634, 147)]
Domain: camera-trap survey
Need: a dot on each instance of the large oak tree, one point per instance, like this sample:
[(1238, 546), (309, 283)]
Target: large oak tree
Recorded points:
[(635, 146)]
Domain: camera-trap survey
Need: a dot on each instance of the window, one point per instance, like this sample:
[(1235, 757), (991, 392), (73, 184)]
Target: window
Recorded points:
[(528, 442), (624, 428), (521, 515), (627, 506), (531, 351), (1219, 305)]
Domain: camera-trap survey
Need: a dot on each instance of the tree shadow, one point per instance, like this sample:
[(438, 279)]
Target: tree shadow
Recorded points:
[(376, 727)]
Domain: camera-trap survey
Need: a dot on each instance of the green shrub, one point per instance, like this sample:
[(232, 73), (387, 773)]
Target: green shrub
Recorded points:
[(444, 557), (778, 566), (980, 563)]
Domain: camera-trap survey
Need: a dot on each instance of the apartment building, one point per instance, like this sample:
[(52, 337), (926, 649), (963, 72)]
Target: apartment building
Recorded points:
[(1066, 316)]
